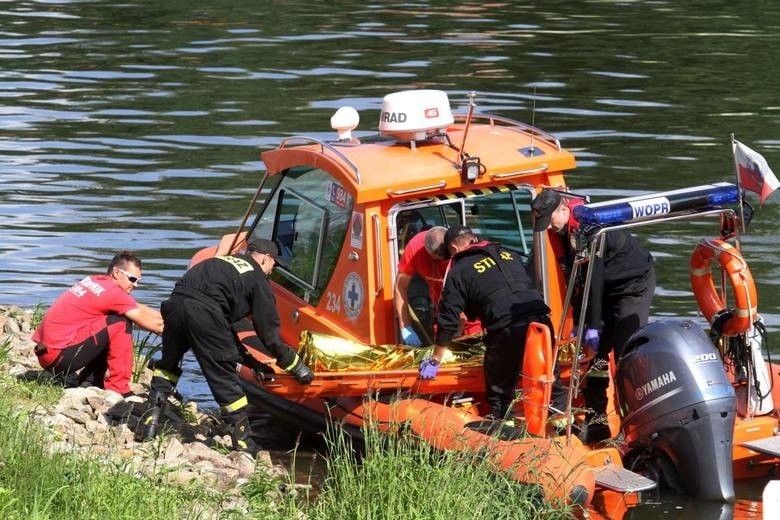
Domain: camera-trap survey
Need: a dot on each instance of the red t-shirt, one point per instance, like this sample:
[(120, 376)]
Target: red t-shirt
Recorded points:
[(416, 260), (80, 311)]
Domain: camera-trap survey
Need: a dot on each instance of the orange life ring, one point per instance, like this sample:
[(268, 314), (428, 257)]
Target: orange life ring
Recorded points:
[(742, 284), (537, 377)]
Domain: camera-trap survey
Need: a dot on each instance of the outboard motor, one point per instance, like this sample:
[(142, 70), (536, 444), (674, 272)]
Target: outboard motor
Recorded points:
[(678, 405)]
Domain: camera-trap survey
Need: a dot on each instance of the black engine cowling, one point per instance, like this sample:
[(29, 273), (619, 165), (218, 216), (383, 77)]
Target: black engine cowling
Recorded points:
[(675, 399)]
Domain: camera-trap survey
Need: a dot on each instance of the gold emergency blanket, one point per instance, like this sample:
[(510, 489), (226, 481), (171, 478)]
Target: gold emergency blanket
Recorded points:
[(325, 353)]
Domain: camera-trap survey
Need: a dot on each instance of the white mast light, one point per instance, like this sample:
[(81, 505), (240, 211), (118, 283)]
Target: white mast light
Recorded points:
[(344, 121)]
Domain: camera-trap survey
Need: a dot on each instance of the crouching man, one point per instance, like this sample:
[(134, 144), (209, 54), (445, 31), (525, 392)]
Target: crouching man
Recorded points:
[(90, 327)]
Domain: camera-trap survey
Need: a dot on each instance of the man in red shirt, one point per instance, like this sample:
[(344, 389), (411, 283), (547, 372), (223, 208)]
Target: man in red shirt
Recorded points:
[(90, 326), (424, 254)]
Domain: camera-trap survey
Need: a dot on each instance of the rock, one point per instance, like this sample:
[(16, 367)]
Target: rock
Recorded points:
[(95, 402), (183, 477), (78, 416), (226, 477), (17, 369), (173, 449), (197, 451), (243, 462), (11, 327)]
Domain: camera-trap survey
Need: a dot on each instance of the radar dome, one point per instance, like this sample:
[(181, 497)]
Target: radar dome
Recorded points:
[(413, 115)]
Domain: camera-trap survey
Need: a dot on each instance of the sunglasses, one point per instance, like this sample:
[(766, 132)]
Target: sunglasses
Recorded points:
[(132, 279)]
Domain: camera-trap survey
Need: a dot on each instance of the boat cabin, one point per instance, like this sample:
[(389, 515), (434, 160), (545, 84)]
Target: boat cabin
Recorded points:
[(343, 211)]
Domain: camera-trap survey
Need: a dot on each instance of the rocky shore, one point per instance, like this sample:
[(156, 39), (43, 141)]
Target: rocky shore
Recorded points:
[(91, 420)]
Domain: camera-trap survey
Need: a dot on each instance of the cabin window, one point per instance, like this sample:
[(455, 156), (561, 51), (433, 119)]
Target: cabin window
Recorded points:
[(496, 215), (504, 217), (409, 222), (307, 215)]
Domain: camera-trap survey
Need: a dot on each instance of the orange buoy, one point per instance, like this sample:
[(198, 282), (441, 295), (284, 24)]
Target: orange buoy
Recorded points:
[(537, 377), (743, 287)]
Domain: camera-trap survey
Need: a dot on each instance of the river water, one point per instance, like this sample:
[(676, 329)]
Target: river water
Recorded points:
[(137, 125)]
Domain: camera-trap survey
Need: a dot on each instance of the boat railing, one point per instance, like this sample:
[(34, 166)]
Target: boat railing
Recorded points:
[(323, 146), (514, 125), (596, 244)]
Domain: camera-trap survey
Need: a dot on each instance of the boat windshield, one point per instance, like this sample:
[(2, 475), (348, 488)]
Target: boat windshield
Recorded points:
[(307, 215), (496, 214), (503, 216)]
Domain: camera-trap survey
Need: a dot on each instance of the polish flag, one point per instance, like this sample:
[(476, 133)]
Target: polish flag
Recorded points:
[(754, 173)]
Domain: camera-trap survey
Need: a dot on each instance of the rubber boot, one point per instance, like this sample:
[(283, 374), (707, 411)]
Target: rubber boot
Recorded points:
[(241, 432), (150, 422)]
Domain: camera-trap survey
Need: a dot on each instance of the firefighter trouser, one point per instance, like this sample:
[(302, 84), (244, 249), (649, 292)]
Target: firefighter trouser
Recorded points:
[(504, 351), (626, 308), (193, 324)]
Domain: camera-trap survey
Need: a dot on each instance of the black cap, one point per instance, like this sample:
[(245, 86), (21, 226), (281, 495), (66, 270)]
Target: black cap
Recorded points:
[(265, 246), (453, 233), (543, 207)]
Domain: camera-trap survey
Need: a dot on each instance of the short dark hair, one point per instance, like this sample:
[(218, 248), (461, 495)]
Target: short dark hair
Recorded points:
[(123, 258), (264, 246), (454, 233)]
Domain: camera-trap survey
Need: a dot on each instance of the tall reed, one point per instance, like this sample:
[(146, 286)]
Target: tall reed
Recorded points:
[(145, 346), (395, 476)]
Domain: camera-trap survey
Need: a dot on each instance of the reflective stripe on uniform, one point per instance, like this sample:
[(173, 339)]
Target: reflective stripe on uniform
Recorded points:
[(164, 374), (235, 405), (294, 362)]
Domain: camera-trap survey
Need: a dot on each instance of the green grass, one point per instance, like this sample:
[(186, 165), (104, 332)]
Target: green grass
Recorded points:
[(26, 392), (145, 346), (37, 316), (399, 477), (395, 476), (36, 484)]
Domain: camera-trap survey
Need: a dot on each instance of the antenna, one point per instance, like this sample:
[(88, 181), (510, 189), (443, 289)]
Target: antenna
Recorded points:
[(472, 105), (533, 125)]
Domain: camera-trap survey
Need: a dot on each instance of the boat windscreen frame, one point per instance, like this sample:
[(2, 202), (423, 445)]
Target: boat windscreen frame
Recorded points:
[(516, 210), (324, 221)]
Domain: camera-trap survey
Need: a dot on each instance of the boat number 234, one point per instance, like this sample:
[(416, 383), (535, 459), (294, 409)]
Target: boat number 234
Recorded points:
[(333, 302)]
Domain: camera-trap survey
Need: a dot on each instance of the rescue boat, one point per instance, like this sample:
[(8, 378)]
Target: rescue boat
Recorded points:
[(342, 212)]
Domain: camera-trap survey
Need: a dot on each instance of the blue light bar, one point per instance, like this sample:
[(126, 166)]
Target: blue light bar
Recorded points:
[(656, 204)]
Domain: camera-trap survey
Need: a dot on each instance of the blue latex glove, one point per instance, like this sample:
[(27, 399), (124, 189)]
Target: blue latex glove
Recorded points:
[(429, 368), (410, 337), (591, 339)]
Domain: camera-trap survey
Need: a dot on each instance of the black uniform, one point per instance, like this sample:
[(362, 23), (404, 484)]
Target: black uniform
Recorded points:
[(621, 291), (490, 283), (622, 288), (210, 297)]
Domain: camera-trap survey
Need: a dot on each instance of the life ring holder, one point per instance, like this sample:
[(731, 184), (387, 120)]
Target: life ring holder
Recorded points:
[(742, 284)]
